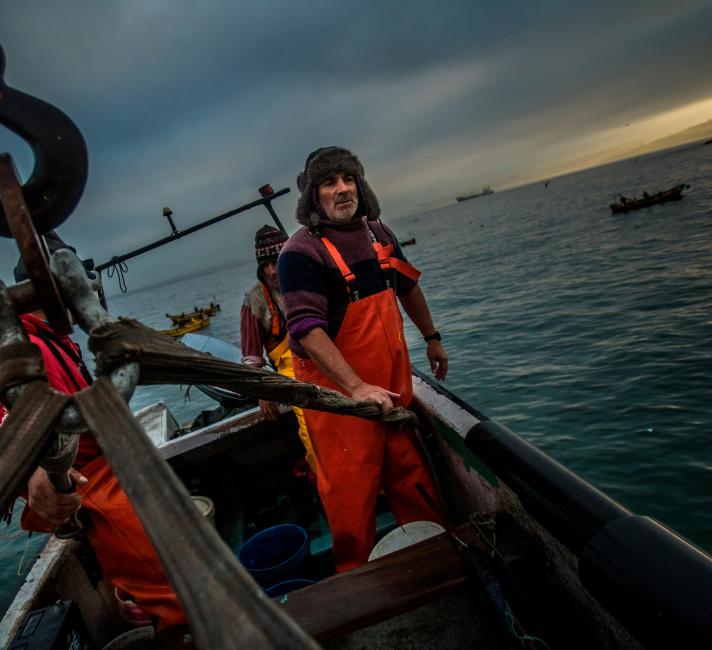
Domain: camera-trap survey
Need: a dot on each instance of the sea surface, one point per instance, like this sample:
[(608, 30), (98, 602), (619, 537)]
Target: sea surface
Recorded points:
[(588, 334)]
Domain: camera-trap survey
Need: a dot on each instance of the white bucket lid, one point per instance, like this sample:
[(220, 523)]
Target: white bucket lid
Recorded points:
[(204, 504), (405, 535)]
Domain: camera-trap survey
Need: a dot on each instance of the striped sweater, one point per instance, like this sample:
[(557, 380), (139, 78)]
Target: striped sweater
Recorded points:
[(312, 287)]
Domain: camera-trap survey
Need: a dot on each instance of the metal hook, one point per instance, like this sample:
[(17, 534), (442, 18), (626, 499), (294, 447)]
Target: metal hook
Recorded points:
[(61, 161)]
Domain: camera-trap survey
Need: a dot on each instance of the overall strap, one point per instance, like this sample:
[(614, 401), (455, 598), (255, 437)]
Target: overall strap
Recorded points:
[(344, 269), (404, 268), (274, 311), (383, 253), (54, 345), (385, 257), (386, 260)]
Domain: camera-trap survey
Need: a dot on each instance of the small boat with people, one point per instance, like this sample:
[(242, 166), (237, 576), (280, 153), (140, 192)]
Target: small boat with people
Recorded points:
[(197, 313), (194, 324), (626, 204)]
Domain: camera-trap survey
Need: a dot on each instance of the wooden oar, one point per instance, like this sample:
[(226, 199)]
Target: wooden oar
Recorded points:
[(225, 607)]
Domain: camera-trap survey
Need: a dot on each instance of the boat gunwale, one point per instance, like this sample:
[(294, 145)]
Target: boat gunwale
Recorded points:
[(52, 557)]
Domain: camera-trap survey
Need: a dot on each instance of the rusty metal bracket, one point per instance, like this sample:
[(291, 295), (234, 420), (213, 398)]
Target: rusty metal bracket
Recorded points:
[(61, 161), (32, 249), (88, 313)]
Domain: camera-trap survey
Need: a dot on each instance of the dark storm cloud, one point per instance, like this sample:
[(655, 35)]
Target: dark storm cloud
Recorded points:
[(194, 105)]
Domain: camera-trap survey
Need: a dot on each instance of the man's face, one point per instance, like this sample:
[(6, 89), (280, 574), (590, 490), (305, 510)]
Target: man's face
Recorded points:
[(269, 270), (338, 197)]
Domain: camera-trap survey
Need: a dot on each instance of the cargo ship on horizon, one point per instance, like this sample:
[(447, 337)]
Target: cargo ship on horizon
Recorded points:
[(473, 195)]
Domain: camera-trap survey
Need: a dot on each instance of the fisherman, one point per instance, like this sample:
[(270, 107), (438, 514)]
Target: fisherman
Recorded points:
[(120, 544), (340, 275), (263, 327)]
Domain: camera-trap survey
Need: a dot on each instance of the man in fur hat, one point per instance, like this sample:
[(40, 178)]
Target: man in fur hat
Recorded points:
[(340, 275), (263, 327)]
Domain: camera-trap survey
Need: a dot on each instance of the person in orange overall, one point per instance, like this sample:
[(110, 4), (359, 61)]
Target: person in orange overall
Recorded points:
[(263, 327), (124, 552), (340, 276)]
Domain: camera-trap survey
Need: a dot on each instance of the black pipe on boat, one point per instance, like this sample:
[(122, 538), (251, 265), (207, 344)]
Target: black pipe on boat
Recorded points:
[(654, 582), (571, 509), (178, 234)]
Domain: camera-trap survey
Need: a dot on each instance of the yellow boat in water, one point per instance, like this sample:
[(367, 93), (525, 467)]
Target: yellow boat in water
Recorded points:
[(193, 325), (197, 313)]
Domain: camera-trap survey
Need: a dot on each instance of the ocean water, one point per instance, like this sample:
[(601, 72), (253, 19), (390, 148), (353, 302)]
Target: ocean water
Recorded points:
[(588, 334)]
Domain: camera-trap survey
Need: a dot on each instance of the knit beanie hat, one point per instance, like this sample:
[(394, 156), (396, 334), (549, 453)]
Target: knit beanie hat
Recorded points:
[(321, 164), (268, 243)]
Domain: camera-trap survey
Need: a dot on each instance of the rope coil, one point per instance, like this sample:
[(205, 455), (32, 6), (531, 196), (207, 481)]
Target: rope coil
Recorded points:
[(118, 268)]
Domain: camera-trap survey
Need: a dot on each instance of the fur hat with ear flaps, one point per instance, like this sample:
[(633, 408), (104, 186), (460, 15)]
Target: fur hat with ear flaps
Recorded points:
[(320, 164)]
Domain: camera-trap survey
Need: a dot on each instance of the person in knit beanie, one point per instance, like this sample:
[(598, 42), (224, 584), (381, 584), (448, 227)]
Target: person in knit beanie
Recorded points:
[(263, 327), (342, 276), (268, 244)]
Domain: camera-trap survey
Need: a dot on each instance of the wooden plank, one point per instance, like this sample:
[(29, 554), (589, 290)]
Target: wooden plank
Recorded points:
[(380, 589)]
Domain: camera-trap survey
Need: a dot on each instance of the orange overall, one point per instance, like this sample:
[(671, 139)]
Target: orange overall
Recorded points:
[(356, 457), (120, 544)]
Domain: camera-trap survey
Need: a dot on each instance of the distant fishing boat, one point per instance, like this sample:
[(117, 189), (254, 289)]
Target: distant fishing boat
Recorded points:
[(473, 195), (193, 325), (407, 242), (627, 205), (198, 313)]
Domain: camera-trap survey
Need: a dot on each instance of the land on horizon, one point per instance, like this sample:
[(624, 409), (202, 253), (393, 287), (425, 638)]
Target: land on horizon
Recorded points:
[(686, 136), (690, 135)]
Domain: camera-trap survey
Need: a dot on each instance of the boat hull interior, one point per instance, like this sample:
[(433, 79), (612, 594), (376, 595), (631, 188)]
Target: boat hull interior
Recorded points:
[(433, 594)]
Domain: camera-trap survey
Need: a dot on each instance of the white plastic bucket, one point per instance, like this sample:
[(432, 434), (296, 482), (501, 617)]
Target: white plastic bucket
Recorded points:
[(405, 535), (206, 507)]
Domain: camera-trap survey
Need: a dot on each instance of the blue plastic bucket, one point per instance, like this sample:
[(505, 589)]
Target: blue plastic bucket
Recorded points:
[(275, 554), (286, 586)]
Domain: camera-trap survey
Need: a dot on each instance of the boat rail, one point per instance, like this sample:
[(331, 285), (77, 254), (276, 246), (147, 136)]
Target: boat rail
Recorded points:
[(652, 580)]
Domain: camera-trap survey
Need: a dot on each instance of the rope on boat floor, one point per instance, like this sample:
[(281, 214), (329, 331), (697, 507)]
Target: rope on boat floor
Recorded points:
[(486, 525)]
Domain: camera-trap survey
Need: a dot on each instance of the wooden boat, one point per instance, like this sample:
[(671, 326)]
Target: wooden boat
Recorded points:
[(627, 205), (217, 348), (192, 325), (197, 313), (515, 574)]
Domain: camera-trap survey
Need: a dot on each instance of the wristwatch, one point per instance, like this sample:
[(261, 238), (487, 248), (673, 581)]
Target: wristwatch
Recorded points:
[(435, 336)]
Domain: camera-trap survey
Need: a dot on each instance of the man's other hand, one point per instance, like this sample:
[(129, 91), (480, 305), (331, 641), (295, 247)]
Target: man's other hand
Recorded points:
[(438, 359), (269, 409), (54, 507), (369, 393)]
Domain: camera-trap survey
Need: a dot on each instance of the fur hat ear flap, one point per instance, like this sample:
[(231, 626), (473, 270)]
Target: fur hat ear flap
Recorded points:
[(301, 182), (370, 203), (305, 213)]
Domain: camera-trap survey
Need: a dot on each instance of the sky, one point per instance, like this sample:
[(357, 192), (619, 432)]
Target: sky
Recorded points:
[(194, 105)]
